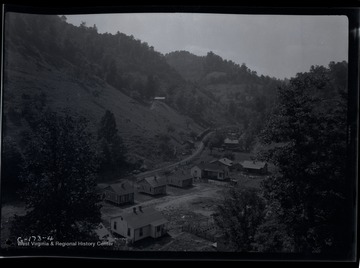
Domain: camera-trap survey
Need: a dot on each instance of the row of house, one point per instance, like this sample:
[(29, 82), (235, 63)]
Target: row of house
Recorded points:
[(219, 169), (140, 222), (123, 192)]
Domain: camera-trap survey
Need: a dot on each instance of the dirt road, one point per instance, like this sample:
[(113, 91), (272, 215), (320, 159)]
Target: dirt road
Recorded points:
[(200, 147)]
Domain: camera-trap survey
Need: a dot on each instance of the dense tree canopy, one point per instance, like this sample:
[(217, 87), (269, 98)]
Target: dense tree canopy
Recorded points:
[(239, 215), (307, 133), (59, 180), (305, 205)]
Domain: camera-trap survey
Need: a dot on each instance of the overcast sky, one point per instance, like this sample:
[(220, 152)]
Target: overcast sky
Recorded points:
[(274, 45)]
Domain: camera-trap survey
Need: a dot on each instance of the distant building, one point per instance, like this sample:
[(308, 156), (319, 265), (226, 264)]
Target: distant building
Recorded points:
[(180, 181), (255, 167), (139, 224), (153, 185), (222, 162), (209, 171), (119, 193), (230, 144), (159, 98)]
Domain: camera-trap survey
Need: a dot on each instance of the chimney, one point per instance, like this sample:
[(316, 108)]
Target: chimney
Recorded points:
[(134, 210), (140, 209)]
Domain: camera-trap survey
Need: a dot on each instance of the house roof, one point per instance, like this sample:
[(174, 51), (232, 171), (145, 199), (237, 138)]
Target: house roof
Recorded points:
[(142, 218), (120, 188), (224, 161), (210, 167), (230, 141), (154, 181), (159, 98), (253, 164)]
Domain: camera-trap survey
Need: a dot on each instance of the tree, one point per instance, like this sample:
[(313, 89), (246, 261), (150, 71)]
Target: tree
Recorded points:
[(113, 151), (307, 134), (165, 147), (238, 217), (112, 76), (217, 139), (271, 236), (150, 89), (59, 180)]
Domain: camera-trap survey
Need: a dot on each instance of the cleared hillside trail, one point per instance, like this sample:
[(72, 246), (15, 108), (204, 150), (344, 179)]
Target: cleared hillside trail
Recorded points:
[(185, 161)]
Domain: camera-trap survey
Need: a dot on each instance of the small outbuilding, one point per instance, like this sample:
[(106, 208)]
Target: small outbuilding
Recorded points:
[(255, 167), (182, 182)]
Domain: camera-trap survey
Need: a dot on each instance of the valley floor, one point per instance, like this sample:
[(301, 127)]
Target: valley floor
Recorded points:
[(184, 209)]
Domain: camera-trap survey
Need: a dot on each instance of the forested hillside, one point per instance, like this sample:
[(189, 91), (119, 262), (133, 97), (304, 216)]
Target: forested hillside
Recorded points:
[(246, 96), (50, 63)]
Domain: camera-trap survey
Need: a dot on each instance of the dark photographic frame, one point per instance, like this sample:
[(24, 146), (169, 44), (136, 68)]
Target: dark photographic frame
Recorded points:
[(353, 95)]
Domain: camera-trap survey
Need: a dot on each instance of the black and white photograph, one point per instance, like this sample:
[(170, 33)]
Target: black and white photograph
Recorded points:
[(177, 132)]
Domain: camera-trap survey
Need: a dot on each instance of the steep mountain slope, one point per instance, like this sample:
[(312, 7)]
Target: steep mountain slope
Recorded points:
[(39, 76), (50, 63)]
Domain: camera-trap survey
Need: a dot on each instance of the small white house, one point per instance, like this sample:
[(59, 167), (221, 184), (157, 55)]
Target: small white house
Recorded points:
[(119, 193), (139, 223), (209, 171), (153, 185)]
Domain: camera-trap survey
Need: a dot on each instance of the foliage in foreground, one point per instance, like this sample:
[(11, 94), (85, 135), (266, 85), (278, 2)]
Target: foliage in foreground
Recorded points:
[(59, 180)]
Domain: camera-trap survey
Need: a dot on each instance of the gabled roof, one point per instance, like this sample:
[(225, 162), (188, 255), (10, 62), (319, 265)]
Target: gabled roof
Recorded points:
[(210, 167), (142, 217), (120, 188), (229, 141), (154, 181), (225, 161), (253, 164)]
